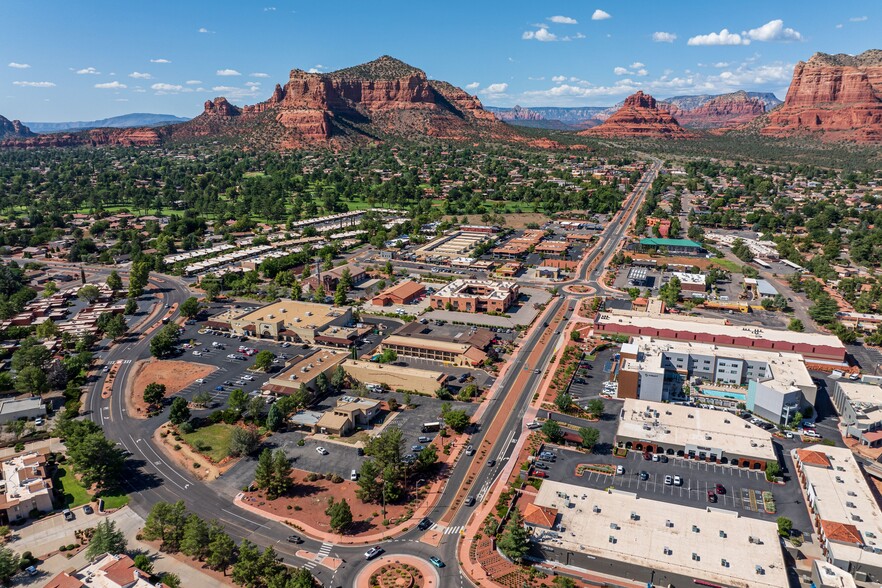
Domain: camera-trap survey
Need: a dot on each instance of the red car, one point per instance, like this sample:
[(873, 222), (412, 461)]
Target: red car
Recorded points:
[(719, 488), (711, 496), (539, 474), (647, 456)]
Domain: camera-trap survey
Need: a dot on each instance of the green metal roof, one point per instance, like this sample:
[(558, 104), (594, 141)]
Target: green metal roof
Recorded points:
[(653, 242)]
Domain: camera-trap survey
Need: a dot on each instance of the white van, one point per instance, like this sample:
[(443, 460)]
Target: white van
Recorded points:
[(354, 475)]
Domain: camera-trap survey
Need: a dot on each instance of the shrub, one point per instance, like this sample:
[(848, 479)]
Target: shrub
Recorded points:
[(62, 548), (177, 447), (19, 446), (186, 428), (196, 465)]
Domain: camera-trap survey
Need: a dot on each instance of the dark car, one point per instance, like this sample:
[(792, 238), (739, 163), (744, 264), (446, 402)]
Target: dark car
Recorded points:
[(425, 524), (720, 489), (647, 456), (88, 509), (359, 451), (663, 458), (491, 463), (644, 475), (470, 501), (294, 539), (540, 465), (417, 448)]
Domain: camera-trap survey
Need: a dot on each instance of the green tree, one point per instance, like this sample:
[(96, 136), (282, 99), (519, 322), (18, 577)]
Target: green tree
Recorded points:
[(31, 380), (369, 489), (221, 550), (49, 288), (166, 523), (299, 578), (47, 330), (552, 431), (263, 360), (824, 309), (116, 326), (785, 527), (138, 277), (595, 408), (9, 565), (170, 579), (275, 419), (319, 294), (340, 514), (179, 412), (563, 401), (263, 475), (247, 569), (106, 539), (457, 419), (196, 538), (163, 344), (281, 477), (340, 294), (238, 401), (796, 325), (388, 356), (202, 398), (190, 307), (514, 540), (131, 307), (143, 563), (670, 292), (114, 282), (244, 441), (96, 459), (564, 582), (589, 436), (89, 293), (773, 468), (428, 456), (387, 447), (338, 378), (154, 393)]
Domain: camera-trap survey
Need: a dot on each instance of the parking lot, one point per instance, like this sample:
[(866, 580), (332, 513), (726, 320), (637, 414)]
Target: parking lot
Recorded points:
[(743, 488), (587, 382)]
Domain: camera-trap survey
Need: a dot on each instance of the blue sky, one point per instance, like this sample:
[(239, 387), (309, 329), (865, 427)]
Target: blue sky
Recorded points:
[(97, 58)]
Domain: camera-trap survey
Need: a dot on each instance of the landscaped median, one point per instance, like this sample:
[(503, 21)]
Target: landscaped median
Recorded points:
[(205, 451)]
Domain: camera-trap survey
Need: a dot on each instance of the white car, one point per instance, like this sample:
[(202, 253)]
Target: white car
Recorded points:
[(197, 353), (620, 470), (321, 450), (199, 380), (247, 378), (678, 481), (533, 425)]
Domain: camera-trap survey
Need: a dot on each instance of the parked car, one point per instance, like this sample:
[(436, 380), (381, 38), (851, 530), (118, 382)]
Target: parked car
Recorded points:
[(31, 571), (373, 552), (647, 456), (540, 465), (470, 450), (424, 440), (417, 448), (88, 509), (669, 480), (68, 515), (199, 380), (39, 421), (533, 425), (620, 470), (644, 475), (539, 474), (321, 450), (711, 496), (720, 489), (663, 458), (678, 481)]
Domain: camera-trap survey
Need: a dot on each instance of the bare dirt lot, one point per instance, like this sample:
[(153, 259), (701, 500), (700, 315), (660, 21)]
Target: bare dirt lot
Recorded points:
[(175, 375)]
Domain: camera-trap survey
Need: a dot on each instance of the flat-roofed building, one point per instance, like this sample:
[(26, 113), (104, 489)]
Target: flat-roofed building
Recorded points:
[(826, 575), (28, 487), (691, 282), (671, 246), (351, 412), (461, 354), (475, 296), (285, 320), (693, 433), (305, 370), (455, 244), (860, 409), (395, 377), (25, 408), (843, 509), (773, 385), (406, 292), (662, 542), (813, 346)]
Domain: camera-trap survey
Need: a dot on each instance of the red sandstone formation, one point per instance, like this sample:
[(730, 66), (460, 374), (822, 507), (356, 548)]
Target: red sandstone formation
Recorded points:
[(639, 116), (725, 110), (137, 137), (837, 97)]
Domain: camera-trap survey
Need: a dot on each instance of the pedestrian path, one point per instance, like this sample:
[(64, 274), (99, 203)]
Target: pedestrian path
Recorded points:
[(320, 556)]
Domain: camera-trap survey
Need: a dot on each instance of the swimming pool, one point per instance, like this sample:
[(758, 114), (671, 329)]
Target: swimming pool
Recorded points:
[(739, 396)]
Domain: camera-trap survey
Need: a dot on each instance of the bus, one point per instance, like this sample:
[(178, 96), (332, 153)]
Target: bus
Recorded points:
[(431, 427)]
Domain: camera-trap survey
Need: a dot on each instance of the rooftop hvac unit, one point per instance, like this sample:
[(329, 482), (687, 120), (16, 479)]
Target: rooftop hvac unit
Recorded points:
[(669, 524), (596, 509), (614, 526)]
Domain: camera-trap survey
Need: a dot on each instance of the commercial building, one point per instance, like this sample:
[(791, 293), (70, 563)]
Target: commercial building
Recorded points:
[(826, 575), (330, 278), (105, 571), (456, 244), (691, 282), (404, 293), (771, 384), (860, 409), (27, 408), (351, 412), (663, 543), (694, 433), (394, 377), (304, 371), (843, 510), (672, 246), (460, 354), (475, 296), (814, 347), (28, 487), (760, 288), (286, 320)]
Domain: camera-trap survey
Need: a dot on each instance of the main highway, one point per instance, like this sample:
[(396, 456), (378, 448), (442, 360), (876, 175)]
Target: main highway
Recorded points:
[(152, 478)]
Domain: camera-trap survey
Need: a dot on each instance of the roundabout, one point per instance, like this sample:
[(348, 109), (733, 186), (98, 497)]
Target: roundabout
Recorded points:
[(398, 571)]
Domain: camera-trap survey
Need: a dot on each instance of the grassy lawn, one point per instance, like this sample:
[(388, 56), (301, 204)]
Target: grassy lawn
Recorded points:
[(212, 441), (727, 265), (74, 492), (114, 499)]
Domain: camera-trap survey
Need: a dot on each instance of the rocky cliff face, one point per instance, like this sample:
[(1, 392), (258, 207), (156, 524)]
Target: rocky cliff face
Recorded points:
[(837, 97), (720, 111), (517, 113), (369, 101), (13, 129), (93, 138), (639, 116)]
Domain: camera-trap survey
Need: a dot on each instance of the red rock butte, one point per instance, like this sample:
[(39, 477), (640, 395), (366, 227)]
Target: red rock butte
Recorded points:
[(725, 110), (837, 97), (639, 116)]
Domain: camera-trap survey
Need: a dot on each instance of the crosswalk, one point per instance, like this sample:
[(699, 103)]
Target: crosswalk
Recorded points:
[(324, 552), (449, 530)]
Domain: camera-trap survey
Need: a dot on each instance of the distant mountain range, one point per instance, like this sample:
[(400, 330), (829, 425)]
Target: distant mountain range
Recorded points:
[(700, 111), (125, 121)]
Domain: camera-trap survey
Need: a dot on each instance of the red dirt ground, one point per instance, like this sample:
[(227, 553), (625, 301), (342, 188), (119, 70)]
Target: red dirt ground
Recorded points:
[(176, 375)]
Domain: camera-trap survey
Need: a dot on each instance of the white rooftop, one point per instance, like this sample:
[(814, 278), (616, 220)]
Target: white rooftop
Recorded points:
[(676, 425), (664, 536)]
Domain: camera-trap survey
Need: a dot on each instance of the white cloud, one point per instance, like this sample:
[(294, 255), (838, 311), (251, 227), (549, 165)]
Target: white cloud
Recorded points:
[(140, 75), (663, 37), (253, 84), (111, 86), (774, 30), (120, 99), (563, 20), (269, 9), (259, 74), (161, 87), (724, 37), (227, 72), (15, 65), (621, 71), (539, 35), (720, 64), (498, 88), (88, 71), (473, 86), (858, 19), (559, 79), (600, 15), (34, 84), (193, 82), (203, 30), (839, 26), (160, 61), (636, 65)]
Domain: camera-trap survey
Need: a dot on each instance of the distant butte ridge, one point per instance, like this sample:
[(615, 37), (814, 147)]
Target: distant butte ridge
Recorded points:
[(370, 102), (13, 129), (836, 97), (639, 116)]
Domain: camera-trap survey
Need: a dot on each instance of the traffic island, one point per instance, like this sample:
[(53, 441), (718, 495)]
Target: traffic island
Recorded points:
[(399, 571)]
